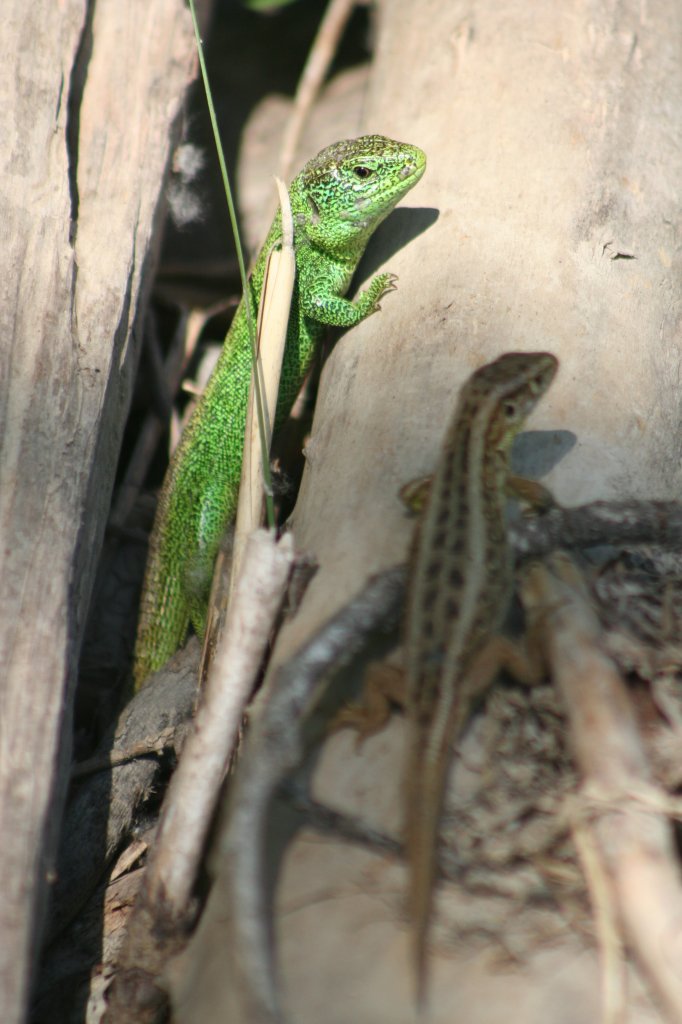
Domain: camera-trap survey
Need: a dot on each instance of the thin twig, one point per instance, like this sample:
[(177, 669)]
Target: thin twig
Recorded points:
[(633, 839), (314, 73), (601, 522), (103, 807), (195, 786), (609, 938), (168, 377), (164, 909), (156, 746)]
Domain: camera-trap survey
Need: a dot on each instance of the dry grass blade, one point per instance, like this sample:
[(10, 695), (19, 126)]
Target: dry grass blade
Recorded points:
[(314, 73), (272, 334)]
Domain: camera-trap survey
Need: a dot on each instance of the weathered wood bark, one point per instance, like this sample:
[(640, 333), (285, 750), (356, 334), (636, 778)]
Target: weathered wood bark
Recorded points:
[(90, 99), (554, 139)]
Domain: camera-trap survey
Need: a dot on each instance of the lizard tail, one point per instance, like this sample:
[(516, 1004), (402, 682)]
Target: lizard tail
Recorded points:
[(426, 782), (163, 625)]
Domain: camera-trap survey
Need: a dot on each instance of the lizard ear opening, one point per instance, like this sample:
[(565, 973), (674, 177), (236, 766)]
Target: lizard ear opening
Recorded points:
[(314, 210)]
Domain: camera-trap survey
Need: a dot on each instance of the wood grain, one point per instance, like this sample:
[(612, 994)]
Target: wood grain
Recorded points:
[(90, 103)]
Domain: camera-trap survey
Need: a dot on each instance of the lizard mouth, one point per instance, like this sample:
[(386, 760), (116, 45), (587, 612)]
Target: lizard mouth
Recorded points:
[(413, 170)]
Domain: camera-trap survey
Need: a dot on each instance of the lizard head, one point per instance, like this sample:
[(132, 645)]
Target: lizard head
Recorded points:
[(513, 385), (343, 193)]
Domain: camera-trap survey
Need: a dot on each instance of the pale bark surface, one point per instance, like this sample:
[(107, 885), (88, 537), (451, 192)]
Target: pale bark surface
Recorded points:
[(90, 101), (554, 143)]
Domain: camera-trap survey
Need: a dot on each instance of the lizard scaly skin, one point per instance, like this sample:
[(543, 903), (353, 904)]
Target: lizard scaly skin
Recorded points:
[(338, 200), (461, 583)]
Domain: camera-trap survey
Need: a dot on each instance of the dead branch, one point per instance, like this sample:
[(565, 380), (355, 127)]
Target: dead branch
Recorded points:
[(632, 837)]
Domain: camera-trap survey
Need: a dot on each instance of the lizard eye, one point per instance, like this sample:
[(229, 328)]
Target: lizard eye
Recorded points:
[(510, 410), (362, 172)]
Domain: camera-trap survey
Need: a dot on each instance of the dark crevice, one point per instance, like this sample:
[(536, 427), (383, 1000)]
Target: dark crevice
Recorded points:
[(76, 88), (58, 106)]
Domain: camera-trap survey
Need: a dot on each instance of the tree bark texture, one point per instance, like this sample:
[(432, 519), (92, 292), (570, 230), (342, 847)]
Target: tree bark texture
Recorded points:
[(90, 102), (553, 140)]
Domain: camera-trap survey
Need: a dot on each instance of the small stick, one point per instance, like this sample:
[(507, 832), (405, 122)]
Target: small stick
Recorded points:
[(314, 73), (165, 909), (184, 342), (193, 791), (168, 380), (609, 937), (155, 745), (600, 522), (631, 835)]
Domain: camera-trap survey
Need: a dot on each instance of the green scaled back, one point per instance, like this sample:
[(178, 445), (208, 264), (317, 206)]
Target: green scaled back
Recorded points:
[(338, 199)]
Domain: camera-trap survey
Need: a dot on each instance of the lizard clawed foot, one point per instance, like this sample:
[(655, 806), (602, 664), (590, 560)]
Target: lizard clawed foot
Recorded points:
[(354, 716), (414, 494), (384, 686), (380, 286), (537, 498)]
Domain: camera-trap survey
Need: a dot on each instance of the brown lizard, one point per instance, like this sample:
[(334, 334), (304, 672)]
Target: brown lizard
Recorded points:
[(461, 584)]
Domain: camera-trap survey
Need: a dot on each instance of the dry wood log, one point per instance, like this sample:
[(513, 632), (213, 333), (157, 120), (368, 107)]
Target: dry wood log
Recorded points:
[(91, 99)]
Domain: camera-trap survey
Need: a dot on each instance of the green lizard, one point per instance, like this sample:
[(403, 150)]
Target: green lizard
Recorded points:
[(338, 200)]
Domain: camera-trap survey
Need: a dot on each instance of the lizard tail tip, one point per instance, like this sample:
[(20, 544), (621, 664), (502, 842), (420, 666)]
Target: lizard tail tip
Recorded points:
[(420, 983)]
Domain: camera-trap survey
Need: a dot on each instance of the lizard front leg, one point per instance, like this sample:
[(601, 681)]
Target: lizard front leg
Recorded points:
[(384, 685), (415, 493), (322, 301)]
